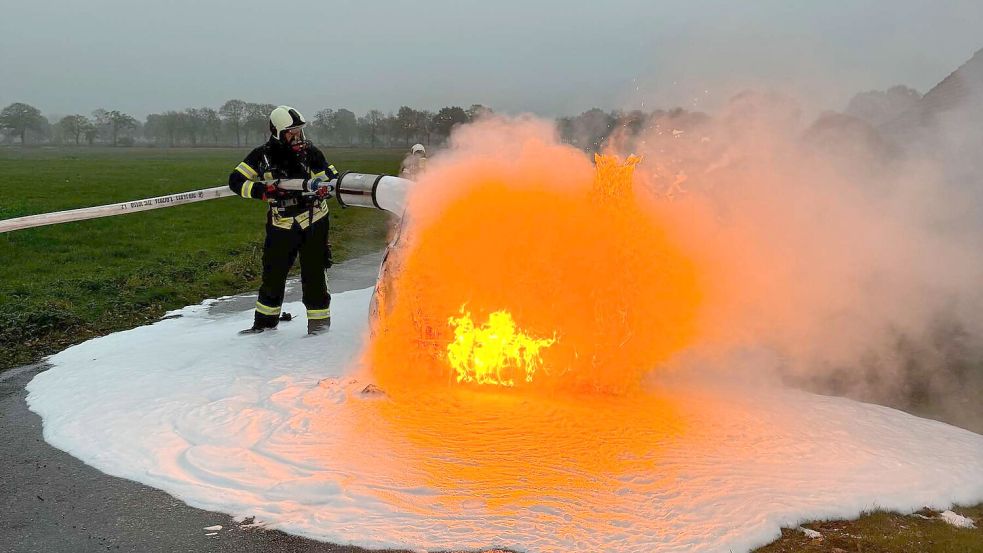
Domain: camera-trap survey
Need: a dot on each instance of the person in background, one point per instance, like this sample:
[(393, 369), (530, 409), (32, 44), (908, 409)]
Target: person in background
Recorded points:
[(415, 163)]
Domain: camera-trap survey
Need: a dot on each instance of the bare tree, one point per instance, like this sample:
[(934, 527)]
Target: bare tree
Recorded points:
[(447, 118), (344, 126), (391, 127), (198, 123), (164, 126), (213, 124), (425, 125), (172, 122), (193, 124), (589, 129), (75, 126), (114, 122), (234, 113), (370, 125), (322, 124), (153, 127), (406, 123), (477, 111), (258, 119), (120, 124), (100, 119), (19, 118), (90, 134)]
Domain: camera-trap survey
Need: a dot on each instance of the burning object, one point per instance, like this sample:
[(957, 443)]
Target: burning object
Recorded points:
[(568, 258), (495, 352)]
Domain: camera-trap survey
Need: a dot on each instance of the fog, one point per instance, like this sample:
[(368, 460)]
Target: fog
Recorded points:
[(546, 57)]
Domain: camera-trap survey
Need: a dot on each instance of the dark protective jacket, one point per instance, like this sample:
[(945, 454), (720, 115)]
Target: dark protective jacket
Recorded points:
[(274, 160)]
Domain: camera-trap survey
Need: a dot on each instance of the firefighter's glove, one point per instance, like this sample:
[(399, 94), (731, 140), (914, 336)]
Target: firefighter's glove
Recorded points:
[(274, 192), (321, 187)]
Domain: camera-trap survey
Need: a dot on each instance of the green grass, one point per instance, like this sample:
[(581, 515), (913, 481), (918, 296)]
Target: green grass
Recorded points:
[(62, 284), (881, 532)]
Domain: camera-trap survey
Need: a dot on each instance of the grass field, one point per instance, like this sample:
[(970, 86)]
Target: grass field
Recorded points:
[(62, 284), (880, 532)]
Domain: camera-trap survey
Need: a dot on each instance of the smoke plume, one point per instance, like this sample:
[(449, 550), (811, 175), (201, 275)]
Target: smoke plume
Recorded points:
[(833, 257), (823, 253)]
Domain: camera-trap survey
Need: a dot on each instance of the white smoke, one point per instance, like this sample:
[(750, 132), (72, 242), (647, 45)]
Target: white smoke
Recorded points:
[(837, 257)]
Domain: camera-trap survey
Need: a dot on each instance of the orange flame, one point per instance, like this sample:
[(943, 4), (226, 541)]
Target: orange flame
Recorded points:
[(613, 179), (492, 352), (564, 248)]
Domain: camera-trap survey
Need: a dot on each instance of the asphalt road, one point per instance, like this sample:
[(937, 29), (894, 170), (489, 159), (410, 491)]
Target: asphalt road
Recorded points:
[(52, 502)]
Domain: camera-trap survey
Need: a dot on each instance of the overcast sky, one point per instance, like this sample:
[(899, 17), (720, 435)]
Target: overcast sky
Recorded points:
[(547, 57)]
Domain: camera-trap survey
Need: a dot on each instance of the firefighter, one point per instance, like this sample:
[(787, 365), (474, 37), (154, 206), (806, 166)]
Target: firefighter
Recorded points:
[(415, 163), (292, 175)]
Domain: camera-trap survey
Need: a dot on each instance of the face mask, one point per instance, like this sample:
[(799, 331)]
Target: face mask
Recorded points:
[(295, 139), (300, 146)]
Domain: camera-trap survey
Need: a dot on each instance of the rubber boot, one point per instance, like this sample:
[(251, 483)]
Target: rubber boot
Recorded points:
[(261, 323), (318, 326)]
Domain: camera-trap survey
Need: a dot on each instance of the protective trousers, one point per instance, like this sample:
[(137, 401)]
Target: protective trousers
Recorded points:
[(279, 252)]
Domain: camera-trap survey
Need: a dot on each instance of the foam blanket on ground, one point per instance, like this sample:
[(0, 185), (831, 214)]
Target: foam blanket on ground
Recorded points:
[(280, 426)]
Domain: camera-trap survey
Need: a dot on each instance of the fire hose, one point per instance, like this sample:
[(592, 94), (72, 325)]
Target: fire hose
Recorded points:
[(351, 189)]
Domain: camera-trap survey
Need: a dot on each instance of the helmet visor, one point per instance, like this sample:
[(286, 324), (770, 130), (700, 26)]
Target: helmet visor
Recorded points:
[(292, 135), (294, 138)]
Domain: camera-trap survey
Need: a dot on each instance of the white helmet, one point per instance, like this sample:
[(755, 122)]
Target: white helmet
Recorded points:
[(418, 149), (283, 118)]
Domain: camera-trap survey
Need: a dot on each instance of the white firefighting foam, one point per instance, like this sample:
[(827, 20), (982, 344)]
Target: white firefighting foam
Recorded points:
[(278, 426)]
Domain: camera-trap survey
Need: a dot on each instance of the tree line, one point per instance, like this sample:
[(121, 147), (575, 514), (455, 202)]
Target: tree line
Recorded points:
[(238, 123), (235, 123)]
